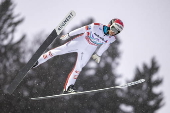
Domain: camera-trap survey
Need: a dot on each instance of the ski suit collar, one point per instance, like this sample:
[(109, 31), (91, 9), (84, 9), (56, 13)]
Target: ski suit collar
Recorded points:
[(105, 30)]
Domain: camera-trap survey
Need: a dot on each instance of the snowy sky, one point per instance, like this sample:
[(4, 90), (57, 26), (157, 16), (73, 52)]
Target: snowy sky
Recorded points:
[(146, 32)]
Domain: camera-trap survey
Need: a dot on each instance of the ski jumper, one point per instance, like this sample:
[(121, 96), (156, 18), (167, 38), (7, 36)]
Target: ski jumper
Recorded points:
[(91, 36)]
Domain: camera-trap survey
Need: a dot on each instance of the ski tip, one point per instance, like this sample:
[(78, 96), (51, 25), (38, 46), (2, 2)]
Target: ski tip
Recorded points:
[(34, 99), (73, 12), (142, 80), (65, 22)]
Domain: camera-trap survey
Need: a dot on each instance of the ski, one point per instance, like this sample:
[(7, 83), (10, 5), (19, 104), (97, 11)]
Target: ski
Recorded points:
[(55, 33), (91, 91)]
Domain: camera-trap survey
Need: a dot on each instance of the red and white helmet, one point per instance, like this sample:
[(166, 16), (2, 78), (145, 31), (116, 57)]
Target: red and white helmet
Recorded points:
[(116, 25)]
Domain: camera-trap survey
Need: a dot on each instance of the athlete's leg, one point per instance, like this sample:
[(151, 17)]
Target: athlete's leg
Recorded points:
[(71, 46), (82, 59), (72, 77)]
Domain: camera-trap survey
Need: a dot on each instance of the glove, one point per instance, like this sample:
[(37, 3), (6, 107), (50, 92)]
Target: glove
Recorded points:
[(65, 37), (96, 58)]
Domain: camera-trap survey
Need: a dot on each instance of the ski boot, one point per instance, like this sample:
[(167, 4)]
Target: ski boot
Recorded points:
[(35, 65), (70, 89)]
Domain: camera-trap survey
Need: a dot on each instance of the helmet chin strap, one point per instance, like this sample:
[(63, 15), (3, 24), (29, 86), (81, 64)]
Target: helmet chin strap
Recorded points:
[(116, 33)]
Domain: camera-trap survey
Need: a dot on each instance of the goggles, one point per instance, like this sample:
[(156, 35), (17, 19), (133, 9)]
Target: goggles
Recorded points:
[(114, 29)]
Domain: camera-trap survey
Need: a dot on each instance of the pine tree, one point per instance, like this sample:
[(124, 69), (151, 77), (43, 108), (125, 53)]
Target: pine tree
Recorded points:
[(144, 98), (10, 51), (11, 58)]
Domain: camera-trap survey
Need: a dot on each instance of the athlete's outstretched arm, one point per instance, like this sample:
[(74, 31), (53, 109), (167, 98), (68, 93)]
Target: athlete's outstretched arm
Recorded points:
[(102, 49), (75, 32)]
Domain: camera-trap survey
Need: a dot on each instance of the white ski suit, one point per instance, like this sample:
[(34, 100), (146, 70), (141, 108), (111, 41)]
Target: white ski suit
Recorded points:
[(85, 45)]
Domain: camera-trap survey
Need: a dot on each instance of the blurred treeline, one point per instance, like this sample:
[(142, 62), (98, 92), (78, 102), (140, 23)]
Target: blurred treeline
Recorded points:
[(49, 78)]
